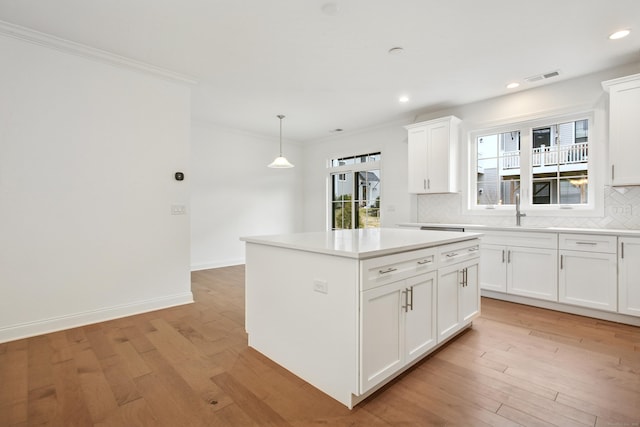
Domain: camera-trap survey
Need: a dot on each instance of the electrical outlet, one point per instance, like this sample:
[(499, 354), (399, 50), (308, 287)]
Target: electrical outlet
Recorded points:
[(320, 286)]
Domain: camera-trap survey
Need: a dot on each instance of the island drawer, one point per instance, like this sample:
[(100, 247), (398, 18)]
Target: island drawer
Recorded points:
[(386, 269), (457, 252), (589, 243)]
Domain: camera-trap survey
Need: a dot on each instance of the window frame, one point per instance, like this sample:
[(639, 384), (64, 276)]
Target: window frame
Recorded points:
[(596, 166), (350, 168)]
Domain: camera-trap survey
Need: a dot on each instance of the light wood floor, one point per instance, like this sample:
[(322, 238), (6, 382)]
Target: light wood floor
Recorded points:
[(190, 366)]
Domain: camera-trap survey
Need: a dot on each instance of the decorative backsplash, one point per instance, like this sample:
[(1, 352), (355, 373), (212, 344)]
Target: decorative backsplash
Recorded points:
[(622, 211)]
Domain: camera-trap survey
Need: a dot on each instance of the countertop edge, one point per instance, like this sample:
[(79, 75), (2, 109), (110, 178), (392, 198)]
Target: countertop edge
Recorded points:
[(361, 255), (481, 227)]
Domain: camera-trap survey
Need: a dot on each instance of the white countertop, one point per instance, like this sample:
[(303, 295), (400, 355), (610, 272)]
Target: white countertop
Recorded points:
[(480, 228), (362, 243)]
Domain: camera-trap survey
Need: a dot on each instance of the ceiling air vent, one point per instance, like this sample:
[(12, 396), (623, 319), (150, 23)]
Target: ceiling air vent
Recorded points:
[(544, 76)]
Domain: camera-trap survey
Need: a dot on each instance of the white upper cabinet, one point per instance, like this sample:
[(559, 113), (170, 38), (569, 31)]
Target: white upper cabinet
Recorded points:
[(624, 139), (433, 155)]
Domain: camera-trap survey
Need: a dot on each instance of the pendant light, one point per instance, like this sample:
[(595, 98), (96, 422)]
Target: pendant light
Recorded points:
[(280, 162)]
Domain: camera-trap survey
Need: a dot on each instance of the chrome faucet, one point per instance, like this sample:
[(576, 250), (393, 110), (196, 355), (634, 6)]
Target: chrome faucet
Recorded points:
[(518, 213)]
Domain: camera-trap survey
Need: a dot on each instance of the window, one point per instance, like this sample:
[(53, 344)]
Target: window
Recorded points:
[(355, 192), (546, 161)]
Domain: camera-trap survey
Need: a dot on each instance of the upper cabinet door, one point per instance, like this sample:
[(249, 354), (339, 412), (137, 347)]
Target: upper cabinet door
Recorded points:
[(624, 138), (433, 156)]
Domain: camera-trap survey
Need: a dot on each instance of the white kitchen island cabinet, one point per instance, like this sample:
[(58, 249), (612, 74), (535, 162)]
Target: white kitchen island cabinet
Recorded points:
[(348, 310)]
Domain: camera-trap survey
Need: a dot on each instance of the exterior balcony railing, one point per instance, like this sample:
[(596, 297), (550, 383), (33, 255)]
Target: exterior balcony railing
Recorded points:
[(546, 156)]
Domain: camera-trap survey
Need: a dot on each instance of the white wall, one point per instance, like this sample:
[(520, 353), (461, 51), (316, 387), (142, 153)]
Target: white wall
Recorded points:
[(620, 208), (234, 193), (391, 140), (87, 156)]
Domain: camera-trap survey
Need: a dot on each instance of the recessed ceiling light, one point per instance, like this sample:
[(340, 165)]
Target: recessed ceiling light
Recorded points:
[(403, 99), (513, 85), (330, 9), (619, 34), (396, 51)]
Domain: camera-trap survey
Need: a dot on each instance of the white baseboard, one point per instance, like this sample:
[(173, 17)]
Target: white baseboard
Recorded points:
[(39, 327), (217, 264), (566, 308)]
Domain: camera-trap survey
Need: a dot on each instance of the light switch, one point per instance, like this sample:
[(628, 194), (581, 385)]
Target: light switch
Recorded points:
[(321, 286), (178, 209)]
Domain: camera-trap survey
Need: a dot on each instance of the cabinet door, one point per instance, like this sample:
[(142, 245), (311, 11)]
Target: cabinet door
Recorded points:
[(381, 335), (493, 274), (629, 275), (533, 272), (588, 279), (449, 279), (420, 318), (470, 293), (418, 154), (624, 146), (438, 160)]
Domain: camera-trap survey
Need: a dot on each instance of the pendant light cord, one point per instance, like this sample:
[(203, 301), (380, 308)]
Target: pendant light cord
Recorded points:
[(280, 116)]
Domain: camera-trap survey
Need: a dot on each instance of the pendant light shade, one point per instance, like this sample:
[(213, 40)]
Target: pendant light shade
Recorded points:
[(280, 162)]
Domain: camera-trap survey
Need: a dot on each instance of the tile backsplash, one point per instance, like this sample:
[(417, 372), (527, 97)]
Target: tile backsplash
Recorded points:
[(622, 211)]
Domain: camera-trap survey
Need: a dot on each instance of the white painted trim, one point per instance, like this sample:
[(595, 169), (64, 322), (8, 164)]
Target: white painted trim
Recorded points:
[(565, 308), (54, 324), (68, 46), (217, 264)]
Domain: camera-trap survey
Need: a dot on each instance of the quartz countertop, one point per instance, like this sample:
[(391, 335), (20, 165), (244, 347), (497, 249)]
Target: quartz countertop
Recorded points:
[(480, 228), (362, 243)]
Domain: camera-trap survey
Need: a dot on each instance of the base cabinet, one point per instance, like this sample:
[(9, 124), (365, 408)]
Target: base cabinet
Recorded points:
[(629, 275), (588, 279), (523, 271), (398, 326), (458, 291)]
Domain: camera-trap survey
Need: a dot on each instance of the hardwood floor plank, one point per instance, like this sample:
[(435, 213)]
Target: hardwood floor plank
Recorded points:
[(190, 365)]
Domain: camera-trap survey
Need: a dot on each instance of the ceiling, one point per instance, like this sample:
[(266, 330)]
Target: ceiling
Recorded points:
[(324, 64)]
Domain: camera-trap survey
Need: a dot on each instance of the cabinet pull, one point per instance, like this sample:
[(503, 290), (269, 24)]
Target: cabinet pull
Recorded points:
[(622, 250), (466, 277), (503, 256), (508, 256), (428, 184), (406, 300), (426, 261), (561, 262), (411, 298), (388, 270), (452, 254), (587, 243), (613, 175), (462, 278), (424, 184)]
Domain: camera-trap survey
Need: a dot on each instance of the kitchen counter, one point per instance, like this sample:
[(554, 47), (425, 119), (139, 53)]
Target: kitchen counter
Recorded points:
[(479, 228), (361, 243)]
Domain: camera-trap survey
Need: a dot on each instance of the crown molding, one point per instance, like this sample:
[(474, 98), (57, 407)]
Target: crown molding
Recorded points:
[(78, 49)]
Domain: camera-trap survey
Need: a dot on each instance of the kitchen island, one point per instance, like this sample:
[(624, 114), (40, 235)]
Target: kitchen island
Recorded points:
[(349, 310)]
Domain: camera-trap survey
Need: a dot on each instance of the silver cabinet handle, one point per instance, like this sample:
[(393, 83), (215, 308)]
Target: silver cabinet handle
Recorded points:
[(426, 261), (411, 298), (503, 256), (388, 270), (424, 184), (561, 262), (452, 255), (587, 243), (508, 256), (406, 300), (428, 184), (613, 175), (622, 250)]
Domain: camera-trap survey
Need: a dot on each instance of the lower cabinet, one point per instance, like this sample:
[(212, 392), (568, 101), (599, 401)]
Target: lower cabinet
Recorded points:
[(588, 279), (398, 326), (629, 275), (523, 271), (458, 291), (588, 271)]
